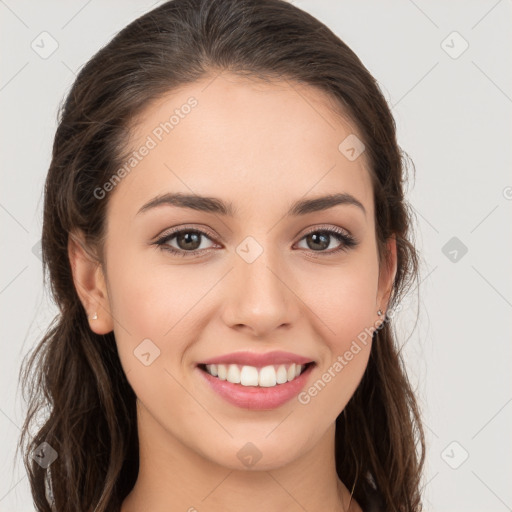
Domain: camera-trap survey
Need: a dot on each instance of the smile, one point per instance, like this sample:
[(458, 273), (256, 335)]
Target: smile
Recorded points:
[(254, 388), (267, 376)]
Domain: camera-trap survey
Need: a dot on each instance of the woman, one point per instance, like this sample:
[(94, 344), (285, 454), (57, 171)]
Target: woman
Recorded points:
[(227, 239)]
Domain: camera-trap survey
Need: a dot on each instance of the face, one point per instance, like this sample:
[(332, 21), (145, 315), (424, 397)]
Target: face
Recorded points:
[(244, 272)]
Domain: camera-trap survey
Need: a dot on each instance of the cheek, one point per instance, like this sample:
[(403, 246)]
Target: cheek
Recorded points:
[(151, 319), (343, 298), (342, 304), (347, 340), (156, 302), (149, 297), (170, 305)]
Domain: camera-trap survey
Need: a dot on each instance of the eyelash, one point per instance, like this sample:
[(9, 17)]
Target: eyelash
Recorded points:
[(347, 241)]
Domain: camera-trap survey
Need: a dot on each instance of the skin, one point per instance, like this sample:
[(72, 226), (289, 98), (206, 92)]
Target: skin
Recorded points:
[(260, 146)]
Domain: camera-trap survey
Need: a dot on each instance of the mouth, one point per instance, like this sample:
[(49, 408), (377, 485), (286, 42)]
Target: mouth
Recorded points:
[(256, 388), (256, 377)]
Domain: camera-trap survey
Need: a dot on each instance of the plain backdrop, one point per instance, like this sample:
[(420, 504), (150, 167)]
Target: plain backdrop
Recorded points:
[(445, 68)]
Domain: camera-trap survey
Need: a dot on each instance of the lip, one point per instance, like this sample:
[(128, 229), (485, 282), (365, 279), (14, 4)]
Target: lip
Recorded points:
[(255, 397), (259, 359)]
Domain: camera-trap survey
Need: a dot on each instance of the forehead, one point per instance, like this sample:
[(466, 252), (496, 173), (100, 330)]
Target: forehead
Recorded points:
[(234, 137)]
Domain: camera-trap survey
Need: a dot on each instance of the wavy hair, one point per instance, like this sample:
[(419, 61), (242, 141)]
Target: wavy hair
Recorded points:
[(74, 376)]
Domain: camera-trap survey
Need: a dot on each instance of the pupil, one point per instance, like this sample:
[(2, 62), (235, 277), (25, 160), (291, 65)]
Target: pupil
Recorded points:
[(322, 239), (189, 238)]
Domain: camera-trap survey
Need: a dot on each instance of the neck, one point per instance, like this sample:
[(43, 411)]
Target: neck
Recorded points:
[(173, 477)]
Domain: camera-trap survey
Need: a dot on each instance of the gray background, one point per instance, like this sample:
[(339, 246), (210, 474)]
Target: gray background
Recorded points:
[(453, 112)]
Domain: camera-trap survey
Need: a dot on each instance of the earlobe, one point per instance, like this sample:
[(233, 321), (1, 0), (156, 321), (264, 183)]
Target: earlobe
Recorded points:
[(89, 283)]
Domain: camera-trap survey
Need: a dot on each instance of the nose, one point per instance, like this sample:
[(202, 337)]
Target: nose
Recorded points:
[(259, 299)]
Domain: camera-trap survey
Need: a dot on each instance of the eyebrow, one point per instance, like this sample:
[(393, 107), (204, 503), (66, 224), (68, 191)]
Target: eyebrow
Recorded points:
[(217, 206)]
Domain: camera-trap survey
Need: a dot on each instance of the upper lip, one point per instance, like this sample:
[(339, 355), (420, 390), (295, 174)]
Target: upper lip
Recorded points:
[(259, 359)]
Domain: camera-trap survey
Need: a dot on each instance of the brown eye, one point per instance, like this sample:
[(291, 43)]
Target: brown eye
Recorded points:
[(320, 240), (186, 240)]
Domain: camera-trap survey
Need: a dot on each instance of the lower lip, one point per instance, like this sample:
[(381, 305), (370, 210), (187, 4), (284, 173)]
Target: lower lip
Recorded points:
[(255, 397)]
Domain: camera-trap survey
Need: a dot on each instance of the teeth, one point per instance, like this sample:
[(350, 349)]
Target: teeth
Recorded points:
[(291, 372), (221, 369), (233, 374), (249, 376), (266, 377), (281, 374)]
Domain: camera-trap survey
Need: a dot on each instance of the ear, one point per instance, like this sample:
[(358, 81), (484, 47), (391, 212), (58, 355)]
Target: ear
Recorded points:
[(90, 283), (387, 273)]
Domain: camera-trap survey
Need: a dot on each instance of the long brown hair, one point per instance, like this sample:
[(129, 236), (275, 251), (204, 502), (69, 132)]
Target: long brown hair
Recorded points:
[(74, 376)]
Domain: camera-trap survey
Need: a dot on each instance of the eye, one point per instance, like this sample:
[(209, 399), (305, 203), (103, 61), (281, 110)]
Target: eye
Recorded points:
[(320, 239), (189, 241)]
